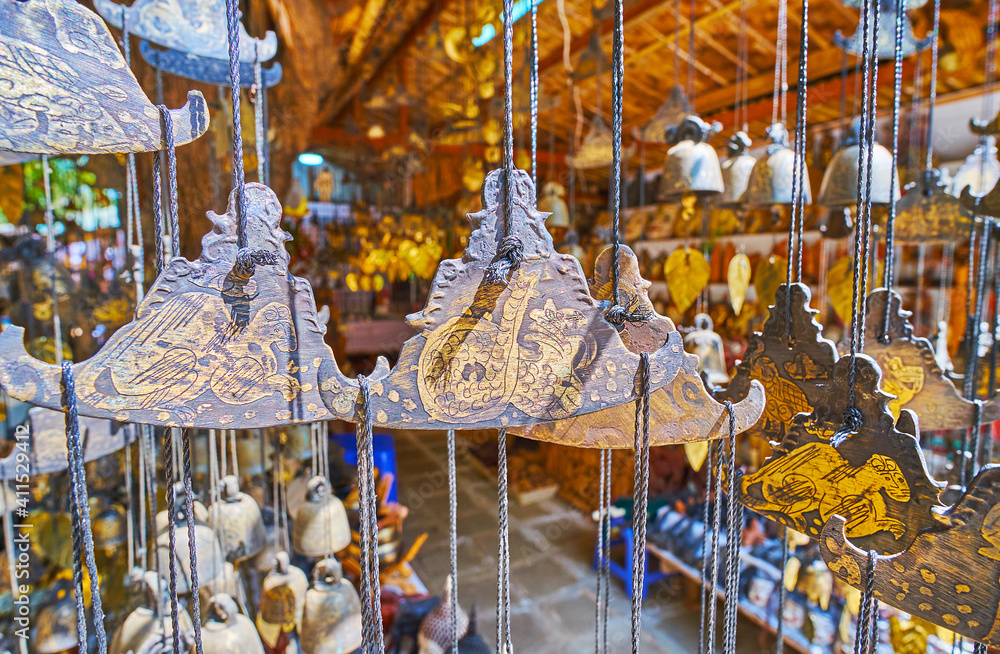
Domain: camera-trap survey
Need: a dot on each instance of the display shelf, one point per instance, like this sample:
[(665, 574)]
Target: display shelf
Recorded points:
[(670, 563)]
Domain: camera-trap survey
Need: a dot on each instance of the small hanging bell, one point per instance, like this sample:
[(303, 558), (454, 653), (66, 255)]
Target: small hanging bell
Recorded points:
[(144, 630), (705, 343), (54, 624), (211, 562), (282, 600), (297, 442), (321, 525), (692, 165), (553, 202), (108, 524), (227, 631), (229, 582), (840, 181), (435, 631), (253, 453), (981, 170), (771, 179), (472, 642), (736, 170), (331, 619), (236, 519)]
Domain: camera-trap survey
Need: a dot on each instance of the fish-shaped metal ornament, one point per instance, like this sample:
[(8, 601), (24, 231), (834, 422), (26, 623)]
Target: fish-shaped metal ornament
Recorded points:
[(67, 88)]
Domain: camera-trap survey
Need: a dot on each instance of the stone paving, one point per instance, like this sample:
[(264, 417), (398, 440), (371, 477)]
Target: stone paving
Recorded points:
[(551, 545)]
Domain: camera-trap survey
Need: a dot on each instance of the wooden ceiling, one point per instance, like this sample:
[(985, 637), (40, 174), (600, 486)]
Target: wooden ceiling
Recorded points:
[(382, 46)]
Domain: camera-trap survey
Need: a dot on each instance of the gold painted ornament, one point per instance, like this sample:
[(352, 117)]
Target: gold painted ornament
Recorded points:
[(682, 411), (687, 272), (738, 278), (772, 272), (696, 453), (927, 213), (840, 288), (282, 600)]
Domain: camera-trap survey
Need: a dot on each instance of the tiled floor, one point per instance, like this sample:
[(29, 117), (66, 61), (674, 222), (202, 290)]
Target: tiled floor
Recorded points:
[(551, 544)]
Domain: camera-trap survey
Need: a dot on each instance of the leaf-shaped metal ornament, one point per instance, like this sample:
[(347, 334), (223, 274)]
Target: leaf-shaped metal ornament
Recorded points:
[(687, 272), (681, 411), (696, 453), (948, 575), (875, 476), (840, 288), (929, 214), (68, 90), (772, 272), (739, 280)]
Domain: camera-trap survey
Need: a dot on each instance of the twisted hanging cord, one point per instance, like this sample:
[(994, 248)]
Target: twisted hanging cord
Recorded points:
[(374, 637), (605, 571), (233, 25), (868, 611), (453, 538), (534, 93), (171, 490), (258, 114), (192, 543), (734, 526), (128, 432), (81, 519), (503, 548), (640, 502), (510, 252), (795, 223), (890, 226), (705, 549), (50, 249), (713, 602), (157, 213), (168, 131), (932, 91), (617, 87), (598, 617), (780, 631), (780, 47), (691, 88)]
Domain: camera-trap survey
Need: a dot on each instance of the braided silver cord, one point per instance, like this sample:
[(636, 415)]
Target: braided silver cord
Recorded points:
[(603, 548), (233, 25), (171, 489), (706, 516), (640, 503), (734, 524), (157, 212), (503, 643), (192, 543), (713, 603), (258, 115), (890, 225), (780, 631), (453, 538), (868, 611), (50, 249), (534, 93), (617, 92), (932, 90)]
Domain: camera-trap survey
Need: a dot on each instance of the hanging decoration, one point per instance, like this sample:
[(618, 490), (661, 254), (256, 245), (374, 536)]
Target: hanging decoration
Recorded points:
[(331, 619), (206, 69), (196, 27), (687, 272), (87, 101), (946, 576), (928, 213), (911, 373), (886, 47), (227, 631), (681, 411), (738, 280), (736, 170), (770, 181), (592, 62), (692, 165), (173, 366), (980, 171), (792, 360), (668, 115), (840, 181), (595, 151)]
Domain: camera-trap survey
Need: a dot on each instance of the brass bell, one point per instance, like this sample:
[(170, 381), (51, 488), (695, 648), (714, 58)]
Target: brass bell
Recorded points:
[(236, 519), (770, 181), (331, 618), (691, 165), (321, 527), (227, 631), (282, 600), (840, 181), (211, 561), (54, 623), (704, 342), (981, 170), (143, 630), (108, 524), (253, 453), (435, 630), (297, 442), (736, 169), (552, 201), (229, 582)]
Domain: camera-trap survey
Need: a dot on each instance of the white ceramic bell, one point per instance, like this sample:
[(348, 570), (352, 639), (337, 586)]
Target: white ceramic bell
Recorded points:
[(736, 170)]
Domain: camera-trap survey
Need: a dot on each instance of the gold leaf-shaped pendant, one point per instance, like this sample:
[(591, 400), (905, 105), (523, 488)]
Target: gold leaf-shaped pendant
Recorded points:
[(841, 286), (696, 453), (771, 273), (739, 280), (687, 273)]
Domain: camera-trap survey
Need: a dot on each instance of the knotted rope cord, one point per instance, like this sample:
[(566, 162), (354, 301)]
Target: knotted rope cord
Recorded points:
[(713, 580), (171, 490), (50, 249), (640, 503), (510, 252), (797, 218), (503, 643), (890, 224), (780, 631), (142, 501), (168, 134), (862, 227), (258, 114), (192, 543), (83, 536), (453, 538), (367, 500), (932, 91), (534, 93), (868, 610), (706, 588), (734, 525)]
